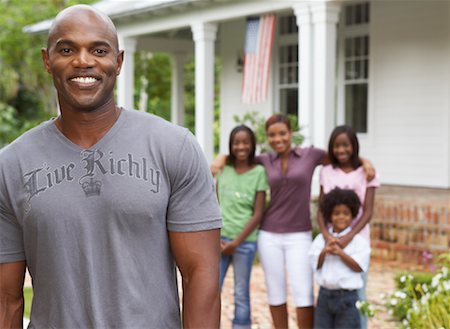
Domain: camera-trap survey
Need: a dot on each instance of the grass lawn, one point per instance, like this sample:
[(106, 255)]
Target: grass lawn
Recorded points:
[(28, 295)]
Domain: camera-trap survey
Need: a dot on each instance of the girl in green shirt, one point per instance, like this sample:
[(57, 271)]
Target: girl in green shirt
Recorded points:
[(241, 188)]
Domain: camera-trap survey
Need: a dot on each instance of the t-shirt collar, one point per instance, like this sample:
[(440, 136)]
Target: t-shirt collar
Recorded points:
[(338, 235)]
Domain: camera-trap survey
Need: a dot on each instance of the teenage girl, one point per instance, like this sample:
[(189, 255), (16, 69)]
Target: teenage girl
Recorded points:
[(241, 188), (346, 172)]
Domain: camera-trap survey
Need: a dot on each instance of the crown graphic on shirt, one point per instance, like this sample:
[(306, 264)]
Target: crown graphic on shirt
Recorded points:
[(92, 187)]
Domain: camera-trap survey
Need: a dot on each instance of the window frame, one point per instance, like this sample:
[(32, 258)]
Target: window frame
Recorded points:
[(281, 41), (352, 31)]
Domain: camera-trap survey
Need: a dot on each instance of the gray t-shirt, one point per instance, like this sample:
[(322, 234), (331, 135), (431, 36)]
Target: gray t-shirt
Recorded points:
[(92, 224)]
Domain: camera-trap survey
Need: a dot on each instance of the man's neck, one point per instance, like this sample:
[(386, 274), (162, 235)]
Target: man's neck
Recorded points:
[(87, 128)]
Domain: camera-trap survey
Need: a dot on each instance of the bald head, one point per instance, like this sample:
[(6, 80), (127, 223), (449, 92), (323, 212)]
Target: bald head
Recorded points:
[(81, 14)]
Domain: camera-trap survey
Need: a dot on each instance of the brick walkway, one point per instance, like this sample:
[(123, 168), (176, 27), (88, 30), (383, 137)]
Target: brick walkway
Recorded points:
[(381, 280)]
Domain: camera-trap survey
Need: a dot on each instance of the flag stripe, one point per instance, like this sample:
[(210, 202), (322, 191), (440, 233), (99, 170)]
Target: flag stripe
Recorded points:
[(258, 50)]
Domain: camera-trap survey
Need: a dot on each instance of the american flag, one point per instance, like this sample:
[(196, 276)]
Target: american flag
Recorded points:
[(258, 50)]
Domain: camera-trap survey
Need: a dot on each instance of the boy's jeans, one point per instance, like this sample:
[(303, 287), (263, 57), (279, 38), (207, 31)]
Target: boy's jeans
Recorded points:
[(242, 261), (362, 296), (336, 309)]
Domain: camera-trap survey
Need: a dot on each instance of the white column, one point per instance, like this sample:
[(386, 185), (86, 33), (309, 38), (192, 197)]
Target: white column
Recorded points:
[(204, 37), (305, 77), (325, 16), (177, 96), (125, 81)]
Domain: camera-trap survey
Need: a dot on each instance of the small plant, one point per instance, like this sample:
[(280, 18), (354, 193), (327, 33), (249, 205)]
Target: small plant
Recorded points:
[(258, 124), (422, 300), (365, 308)]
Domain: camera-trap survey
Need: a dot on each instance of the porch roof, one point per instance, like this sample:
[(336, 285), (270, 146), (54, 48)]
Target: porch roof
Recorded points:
[(124, 9)]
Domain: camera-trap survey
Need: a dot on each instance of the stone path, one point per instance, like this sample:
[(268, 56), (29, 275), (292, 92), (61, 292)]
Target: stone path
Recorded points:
[(381, 280)]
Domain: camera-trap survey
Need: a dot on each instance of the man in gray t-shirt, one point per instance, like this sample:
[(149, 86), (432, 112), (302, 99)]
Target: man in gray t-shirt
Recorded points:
[(101, 203)]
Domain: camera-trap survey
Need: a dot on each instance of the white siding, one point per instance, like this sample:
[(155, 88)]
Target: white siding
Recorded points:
[(409, 121)]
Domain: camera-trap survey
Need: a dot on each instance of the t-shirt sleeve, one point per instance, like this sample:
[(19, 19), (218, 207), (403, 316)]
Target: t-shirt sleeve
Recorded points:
[(193, 203), (375, 182), (322, 175), (11, 236), (262, 184)]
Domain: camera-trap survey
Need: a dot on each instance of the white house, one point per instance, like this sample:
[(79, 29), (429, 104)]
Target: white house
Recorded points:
[(381, 66)]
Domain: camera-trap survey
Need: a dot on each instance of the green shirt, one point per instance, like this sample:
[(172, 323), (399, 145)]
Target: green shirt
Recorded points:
[(236, 194)]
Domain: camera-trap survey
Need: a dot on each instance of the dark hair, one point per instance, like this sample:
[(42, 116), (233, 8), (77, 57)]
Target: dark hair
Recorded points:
[(337, 197), (231, 159), (353, 140), (278, 118)]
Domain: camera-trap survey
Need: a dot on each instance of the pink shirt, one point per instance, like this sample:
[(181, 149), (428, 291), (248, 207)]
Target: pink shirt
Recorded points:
[(355, 180)]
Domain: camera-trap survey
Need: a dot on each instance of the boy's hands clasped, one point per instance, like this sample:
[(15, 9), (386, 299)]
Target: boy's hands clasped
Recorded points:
[(333, 247)]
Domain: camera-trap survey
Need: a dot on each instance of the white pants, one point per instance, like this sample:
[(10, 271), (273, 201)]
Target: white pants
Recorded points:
[(281, 252)]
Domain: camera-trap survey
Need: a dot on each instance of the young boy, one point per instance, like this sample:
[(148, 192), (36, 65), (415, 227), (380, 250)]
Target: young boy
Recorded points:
[(338, 271)]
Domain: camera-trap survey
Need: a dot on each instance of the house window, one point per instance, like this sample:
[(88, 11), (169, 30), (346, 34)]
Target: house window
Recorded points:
[(288, 65), (356, 65)]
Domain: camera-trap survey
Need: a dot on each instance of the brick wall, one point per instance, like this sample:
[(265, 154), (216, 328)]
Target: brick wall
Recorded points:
[(408, 232)]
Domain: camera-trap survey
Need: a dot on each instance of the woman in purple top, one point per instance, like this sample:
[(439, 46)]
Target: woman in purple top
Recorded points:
[(285, 234)]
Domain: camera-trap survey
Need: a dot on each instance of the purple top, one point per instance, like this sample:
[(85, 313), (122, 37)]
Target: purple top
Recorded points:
[(290, 195)]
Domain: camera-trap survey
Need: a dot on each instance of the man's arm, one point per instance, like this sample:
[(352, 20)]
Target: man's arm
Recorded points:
[(12, 276), (197, 255)]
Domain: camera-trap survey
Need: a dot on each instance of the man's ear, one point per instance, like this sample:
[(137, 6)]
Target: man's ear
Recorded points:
[(120, 57), (45, 59)]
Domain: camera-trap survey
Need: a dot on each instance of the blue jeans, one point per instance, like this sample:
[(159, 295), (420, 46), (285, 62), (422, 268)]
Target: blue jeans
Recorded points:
[(336, 309), (242, 261)]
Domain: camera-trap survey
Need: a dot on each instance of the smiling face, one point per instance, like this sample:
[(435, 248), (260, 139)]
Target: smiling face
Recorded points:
[(279, 137), (343, 149), (83, 58), (241, 146), (341, 217)]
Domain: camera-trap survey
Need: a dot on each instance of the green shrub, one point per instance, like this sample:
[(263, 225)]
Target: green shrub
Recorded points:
[(417, 278), (422, 300)]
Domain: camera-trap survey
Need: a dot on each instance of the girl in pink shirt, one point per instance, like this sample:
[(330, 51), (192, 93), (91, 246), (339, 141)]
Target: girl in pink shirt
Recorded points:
[(346, 172)]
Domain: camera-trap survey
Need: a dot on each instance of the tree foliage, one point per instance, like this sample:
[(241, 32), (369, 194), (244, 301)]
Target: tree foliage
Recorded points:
[(153, 76), (26, 92)]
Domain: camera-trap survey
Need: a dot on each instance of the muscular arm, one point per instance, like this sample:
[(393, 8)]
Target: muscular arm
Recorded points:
[(12, 276), (365, 218), (197, 255), (258, 210)]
